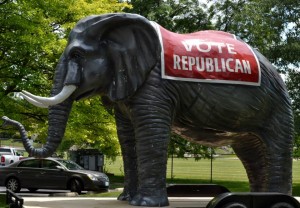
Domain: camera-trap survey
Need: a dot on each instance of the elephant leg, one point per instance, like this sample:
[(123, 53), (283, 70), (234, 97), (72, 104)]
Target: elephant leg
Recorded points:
[(279, 159), (252, 153), (267, 160), (152, 138), (127, 143)]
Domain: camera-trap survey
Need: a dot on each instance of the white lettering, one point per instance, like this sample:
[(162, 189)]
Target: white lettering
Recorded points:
[(223, 65), (220, 45), (188, 44), (176, 59), (217, 69), (202, 49), (198, 64), (209, 65), (191, 62), (228, 64), (200, 45), (238, 66), (230, 48), (247, 66), (184, 62)]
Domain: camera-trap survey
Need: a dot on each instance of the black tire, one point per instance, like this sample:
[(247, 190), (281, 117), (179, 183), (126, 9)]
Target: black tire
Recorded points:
[(32, 189), (13, 184), (234, 205), (75, 186), (282, 205)]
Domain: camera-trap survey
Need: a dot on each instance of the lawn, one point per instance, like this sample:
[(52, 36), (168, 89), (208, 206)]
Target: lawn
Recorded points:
[(226, 171), (2, 201)]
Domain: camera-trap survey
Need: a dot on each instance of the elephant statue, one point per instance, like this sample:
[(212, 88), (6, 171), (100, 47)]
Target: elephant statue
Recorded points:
[(119, 57)]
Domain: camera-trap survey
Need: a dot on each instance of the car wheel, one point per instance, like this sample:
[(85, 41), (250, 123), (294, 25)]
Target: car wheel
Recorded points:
[(75, 186), (32, 189), (13, 184)]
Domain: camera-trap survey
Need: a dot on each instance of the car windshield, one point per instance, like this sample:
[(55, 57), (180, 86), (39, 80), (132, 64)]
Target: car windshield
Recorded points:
[(71, 165)]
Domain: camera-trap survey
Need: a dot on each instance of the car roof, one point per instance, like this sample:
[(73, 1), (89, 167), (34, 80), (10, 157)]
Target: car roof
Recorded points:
[(34, 158), (51, 158)]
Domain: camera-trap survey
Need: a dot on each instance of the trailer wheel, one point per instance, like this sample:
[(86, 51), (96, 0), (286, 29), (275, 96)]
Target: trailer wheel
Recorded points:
[(234, 205), (282, 205)]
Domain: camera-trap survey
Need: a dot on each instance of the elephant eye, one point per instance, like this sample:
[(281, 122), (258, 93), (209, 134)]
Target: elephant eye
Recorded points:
[(77, 55)]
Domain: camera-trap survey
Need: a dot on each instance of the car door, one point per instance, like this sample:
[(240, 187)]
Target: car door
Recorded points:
[(53, 177), (28, 172)]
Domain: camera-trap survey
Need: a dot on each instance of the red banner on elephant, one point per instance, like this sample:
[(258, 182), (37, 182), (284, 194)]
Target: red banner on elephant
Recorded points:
[(208, 56)]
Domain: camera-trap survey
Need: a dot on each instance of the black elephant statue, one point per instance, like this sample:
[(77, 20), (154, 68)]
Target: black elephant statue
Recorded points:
[(230, 95)]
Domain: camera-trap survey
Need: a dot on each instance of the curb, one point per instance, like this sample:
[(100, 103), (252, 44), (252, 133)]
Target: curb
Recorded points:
[(70, 194)]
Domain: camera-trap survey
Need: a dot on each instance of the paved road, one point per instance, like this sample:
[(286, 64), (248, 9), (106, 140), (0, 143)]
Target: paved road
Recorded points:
[(39, 192), (80, 202)]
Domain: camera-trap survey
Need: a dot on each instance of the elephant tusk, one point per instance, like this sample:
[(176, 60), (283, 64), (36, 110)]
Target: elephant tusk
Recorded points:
[(45, 102), (33, 102)]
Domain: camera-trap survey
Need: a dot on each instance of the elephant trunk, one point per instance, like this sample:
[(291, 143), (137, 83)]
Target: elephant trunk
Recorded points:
[(58, 113), (54, 135)]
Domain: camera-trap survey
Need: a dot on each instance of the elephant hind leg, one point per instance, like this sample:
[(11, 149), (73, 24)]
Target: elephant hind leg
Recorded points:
[(252, 153), (267, 160), (278, 137)]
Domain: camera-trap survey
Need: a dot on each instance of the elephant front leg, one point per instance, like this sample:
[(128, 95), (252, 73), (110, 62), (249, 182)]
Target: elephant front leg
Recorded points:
[(151, 146), (127, 143)]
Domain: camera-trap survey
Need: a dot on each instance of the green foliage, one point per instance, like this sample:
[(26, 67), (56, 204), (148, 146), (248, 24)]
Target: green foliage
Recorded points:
[(178, 16), (180, 147), (272, 26), (33, 34), (293, 84), (94, 128)]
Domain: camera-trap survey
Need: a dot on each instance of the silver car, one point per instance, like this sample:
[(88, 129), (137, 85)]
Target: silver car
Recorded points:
[(51, 173)]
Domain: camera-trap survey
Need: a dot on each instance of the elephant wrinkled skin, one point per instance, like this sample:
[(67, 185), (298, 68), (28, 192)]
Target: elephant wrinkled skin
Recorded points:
[(117, 56)]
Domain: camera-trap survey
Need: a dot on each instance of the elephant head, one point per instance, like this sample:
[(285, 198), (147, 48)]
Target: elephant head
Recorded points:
[(108, 55)]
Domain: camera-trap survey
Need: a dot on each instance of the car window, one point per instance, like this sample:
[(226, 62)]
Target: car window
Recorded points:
[(49, 164), (71, 165), (30, 164), (5, 151)]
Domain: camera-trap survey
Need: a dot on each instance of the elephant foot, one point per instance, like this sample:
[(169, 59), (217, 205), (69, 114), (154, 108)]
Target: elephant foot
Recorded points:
[(149, 201), (125, 196)]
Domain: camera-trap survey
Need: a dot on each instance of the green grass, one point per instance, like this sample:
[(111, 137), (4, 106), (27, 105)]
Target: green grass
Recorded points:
[(2, 201), (226, 171)]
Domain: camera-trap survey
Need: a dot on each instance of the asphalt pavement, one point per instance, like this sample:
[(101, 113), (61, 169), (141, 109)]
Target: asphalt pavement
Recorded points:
[(101, 202), (104, 202), (67, 199)]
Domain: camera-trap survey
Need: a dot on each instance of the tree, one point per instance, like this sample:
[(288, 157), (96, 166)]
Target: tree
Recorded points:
[(33, 34), (293, 84), (178, 16), (271, 26), (180, 147)]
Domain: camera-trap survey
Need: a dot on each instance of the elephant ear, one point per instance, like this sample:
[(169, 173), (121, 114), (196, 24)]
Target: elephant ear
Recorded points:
[(133, 50)]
